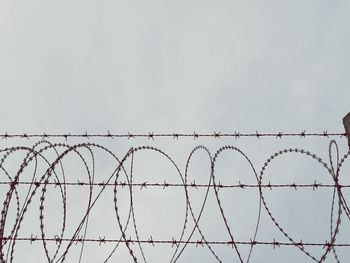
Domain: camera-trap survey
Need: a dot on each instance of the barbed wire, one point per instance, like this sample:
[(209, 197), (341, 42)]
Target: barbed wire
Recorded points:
[(193, 184), (174, 135), (175, 243), (54, 175)]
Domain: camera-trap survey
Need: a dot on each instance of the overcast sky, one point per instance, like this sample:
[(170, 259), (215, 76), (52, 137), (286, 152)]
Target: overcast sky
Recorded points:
[(183, 66)]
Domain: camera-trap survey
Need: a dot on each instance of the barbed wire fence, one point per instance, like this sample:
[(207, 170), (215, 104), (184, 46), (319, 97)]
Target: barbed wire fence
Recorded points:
[(174, 135), (41, 169)]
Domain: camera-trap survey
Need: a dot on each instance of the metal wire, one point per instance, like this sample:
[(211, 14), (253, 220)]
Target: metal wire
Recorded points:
[(173, 135), (54, 177)]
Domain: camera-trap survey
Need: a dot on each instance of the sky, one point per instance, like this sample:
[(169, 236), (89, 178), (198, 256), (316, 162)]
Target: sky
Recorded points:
[(184, 66)]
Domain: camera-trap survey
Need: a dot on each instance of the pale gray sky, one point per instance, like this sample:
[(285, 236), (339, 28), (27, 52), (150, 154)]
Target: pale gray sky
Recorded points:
[(181, 66)]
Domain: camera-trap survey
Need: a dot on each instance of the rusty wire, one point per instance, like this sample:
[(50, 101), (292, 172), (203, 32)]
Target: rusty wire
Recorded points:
[(40, 185), (173, 135)]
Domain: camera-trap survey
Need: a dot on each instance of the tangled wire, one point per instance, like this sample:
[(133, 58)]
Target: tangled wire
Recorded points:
[(57, 247)]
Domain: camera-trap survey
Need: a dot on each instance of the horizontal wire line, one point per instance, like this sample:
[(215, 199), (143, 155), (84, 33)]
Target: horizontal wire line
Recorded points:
[(190, 185), (173, 242), (194, 135)]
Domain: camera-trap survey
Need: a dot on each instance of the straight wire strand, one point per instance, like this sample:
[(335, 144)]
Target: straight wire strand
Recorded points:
[(164, 185), (175, 135), (174, 243)]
